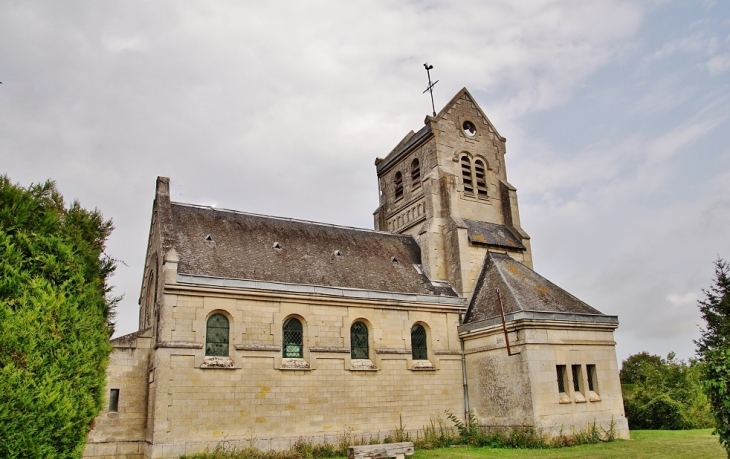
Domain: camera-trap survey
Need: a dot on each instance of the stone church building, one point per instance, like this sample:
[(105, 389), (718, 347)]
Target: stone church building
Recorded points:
[(267, 329)]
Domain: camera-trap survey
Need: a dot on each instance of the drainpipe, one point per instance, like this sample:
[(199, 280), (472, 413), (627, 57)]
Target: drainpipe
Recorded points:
[(463, 376)]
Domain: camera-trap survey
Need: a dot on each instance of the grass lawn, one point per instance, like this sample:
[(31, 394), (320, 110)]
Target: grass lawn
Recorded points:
[(695, 444)]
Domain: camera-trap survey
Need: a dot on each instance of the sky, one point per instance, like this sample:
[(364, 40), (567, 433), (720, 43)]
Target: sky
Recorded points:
[(615, 113)]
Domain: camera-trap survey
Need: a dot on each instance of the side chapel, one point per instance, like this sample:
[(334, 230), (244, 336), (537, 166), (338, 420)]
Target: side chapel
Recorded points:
[(268, 329)]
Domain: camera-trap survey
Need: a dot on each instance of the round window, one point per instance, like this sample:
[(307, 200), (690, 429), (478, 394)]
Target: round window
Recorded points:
[(469, 128)]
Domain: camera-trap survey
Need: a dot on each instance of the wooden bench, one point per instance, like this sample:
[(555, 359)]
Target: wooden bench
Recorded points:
[(386, 450)]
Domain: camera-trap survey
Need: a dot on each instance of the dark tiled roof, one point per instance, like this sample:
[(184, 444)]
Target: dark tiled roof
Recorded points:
[(491, 234), (521, 289), (242, 247)]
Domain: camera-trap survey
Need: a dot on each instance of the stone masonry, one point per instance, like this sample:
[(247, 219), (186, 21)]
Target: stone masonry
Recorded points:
[(259, 330)]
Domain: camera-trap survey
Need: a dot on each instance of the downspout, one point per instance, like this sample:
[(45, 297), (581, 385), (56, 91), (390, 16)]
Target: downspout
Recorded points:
[(463, 376)]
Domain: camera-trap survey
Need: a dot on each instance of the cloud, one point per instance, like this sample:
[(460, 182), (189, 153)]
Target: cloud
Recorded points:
[(696, 43), (280, 108), (719, 64)]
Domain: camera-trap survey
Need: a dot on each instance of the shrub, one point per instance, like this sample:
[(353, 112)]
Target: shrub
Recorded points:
[(664, 393)]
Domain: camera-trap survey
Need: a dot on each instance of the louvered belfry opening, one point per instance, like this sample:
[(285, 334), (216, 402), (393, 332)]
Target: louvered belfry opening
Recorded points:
[(292, 339), (466, 175), (419, 349), (415, 173), (480, 172), (359, 348), (216, 336), (398, 182)]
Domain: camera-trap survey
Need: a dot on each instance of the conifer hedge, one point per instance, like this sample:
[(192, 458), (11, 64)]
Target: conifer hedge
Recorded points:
[(55, 321)]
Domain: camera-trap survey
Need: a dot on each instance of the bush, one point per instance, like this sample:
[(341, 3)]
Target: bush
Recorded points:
[(55, 321), (664, 393)]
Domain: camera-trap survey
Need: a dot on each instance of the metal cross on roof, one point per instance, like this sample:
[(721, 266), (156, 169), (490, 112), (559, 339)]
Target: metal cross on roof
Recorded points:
[(430, 86)]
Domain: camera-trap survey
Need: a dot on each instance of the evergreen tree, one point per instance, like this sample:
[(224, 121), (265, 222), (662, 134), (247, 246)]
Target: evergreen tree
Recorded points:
[(713, 348), (55, 321)]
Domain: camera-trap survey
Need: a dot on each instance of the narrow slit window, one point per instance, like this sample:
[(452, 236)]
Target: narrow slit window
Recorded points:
[(561, 378), (591, 373), (480, 172), (114, 400), (359, 347), (419, 348), (216, 336), (415, 173), (293, 339), (398, 181), (576, 377), (466, 175)]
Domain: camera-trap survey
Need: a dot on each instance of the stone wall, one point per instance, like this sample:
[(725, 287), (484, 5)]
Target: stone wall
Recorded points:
[(121, 433), (522, 389), (321, 397)]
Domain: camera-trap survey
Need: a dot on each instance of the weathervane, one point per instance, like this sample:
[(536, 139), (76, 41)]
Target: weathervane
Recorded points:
[(430, 86)]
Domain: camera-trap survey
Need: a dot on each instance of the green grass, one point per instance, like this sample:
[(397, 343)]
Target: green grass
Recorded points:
[(694, 444)]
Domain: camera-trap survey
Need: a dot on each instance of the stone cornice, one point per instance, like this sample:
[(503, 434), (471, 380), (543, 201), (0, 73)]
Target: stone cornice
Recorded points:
[(310, 294)]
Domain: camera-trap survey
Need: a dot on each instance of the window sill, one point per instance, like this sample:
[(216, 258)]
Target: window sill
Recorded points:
[(423, 365), (217, 363), (362, 365), (564, 398), (294, 364), (579, 398), (472, 197), (593, 397)]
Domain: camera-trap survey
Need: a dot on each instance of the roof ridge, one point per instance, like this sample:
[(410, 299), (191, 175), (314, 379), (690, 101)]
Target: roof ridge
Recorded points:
[(273, 217), (504, 281), (553, 284)]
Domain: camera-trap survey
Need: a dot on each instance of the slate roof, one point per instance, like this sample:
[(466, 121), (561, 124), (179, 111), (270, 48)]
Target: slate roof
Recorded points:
[(521, 289), (491, 234), (242, 247)]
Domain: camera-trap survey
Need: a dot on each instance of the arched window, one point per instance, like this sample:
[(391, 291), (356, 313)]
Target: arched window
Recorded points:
[(415, 174), (398, 181), (466, 175), (480, 172), (293, 339), (216, 336), (359, 348), (419, 348)]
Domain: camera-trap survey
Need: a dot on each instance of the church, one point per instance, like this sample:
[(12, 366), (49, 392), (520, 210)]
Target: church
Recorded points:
[(254, 328)]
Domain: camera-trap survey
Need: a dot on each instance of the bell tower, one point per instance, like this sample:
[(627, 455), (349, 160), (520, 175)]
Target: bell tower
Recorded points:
[(446, 185)]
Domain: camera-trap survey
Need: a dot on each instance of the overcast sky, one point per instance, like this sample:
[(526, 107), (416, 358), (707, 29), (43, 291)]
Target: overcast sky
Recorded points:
[(615, 113)]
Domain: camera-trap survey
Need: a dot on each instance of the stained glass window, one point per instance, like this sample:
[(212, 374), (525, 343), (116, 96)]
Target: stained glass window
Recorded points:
[(216, 337), (359, 341), (419, 349), (293, 339)]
